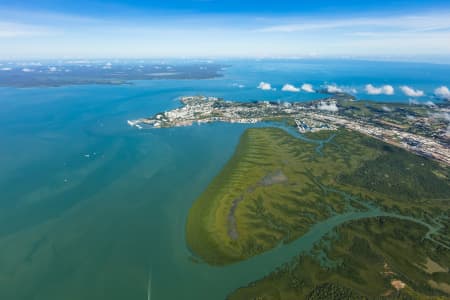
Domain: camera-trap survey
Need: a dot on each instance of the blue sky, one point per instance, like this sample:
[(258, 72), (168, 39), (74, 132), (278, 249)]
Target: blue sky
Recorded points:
[(225, 6), (405, 30)]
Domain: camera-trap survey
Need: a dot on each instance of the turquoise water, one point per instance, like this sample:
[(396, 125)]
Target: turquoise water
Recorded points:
[(90, 206)]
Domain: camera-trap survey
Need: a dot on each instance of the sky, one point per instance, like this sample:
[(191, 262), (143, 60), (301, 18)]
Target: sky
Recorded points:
[(403, 30)]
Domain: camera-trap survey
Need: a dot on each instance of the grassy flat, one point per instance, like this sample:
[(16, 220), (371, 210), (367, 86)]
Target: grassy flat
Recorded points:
[(366, 259), (276, 186)]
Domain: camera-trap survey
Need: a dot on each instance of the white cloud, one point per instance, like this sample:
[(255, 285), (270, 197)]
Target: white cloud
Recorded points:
[(107, 66), (52, 69), (327, 106), (334, 89), (430, 103), (6, 69), (408, 91), (265, 86), (27, 70), (413, 101), (340, 89), (383, 90), (308, 88), (290, 88), (418, 23), (397, 36), (13, 29), (442, 92), (241, 86)]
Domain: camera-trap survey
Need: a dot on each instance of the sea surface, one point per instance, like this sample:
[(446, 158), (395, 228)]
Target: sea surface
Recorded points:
[(91, 208)]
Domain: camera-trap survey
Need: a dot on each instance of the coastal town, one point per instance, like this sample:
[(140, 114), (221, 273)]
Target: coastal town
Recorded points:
[(420, 129)]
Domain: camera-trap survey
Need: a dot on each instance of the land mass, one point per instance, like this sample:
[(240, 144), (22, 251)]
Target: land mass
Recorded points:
[(376, 258), (420, 128), (276, 187), (47, 74), (328, 158)]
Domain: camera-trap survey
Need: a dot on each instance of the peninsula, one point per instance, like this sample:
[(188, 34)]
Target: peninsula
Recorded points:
[(330, 159), (419, 128)]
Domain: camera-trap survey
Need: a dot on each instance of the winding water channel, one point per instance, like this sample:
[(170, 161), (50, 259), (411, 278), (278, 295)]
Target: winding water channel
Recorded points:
[(261, 265), (221, 281)]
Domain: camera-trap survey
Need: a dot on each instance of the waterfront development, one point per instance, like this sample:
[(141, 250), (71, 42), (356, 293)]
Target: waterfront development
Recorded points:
[(419, 128)]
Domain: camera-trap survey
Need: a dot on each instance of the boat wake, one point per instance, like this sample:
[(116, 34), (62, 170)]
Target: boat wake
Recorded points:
[(149, 285)]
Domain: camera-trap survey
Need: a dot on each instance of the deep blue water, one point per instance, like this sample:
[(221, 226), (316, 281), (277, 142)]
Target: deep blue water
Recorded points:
[(90, 206)]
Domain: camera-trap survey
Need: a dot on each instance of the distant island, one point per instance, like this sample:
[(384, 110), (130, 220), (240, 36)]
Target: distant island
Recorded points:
[(53, 74)]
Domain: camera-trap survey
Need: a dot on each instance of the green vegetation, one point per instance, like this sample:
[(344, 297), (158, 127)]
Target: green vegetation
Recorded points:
[(376, 258), (395, 172), (276, 186), (392, 112), (406, 117)]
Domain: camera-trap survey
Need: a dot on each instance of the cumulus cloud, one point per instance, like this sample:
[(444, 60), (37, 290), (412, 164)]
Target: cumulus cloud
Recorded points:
[(333, 89), (408, 91), (308, 88), (442, 92), (52, 69), (265, 86), (6, 69), (430, 104), (107, 66), (383, 90), (241, 86), (413, 102), (331, 106), (290, 88), (26, 70)]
